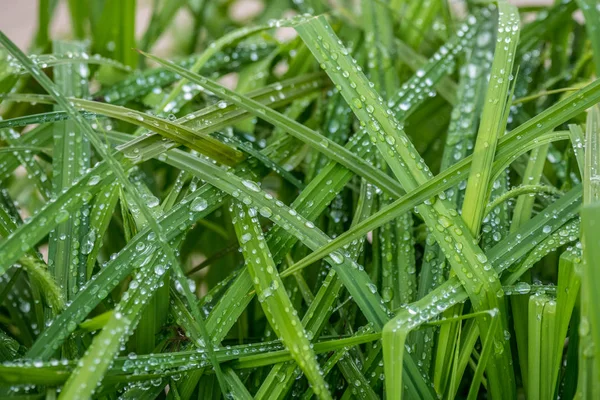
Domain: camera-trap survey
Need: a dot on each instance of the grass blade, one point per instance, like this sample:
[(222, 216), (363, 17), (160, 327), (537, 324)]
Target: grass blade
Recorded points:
[(273, 297)]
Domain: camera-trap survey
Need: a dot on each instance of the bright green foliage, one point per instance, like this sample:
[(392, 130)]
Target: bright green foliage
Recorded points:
[(374, 199)]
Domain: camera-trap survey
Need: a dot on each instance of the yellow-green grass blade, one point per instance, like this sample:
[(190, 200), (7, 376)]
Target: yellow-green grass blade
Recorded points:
[(273, 297), (492, 118)]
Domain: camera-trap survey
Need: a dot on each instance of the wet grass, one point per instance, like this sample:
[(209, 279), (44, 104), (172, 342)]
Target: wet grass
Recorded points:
[(399, 200)]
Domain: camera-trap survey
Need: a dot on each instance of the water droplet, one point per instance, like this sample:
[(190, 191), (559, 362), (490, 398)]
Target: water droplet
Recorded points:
[(199, 204), (337, 257), (94, 180), (251, 185), (61, 216)]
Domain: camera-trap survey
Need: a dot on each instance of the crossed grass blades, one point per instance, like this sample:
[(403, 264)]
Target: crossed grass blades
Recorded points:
[(398, 200)]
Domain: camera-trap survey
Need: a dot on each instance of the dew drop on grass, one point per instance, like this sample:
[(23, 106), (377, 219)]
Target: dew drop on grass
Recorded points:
[(412, 310), (522, 288), (265, 212), (251, 185), (199, 204), (245, 238), (88, 242), (372, 287), (61, 216), (94, 180), (337, 257), (481, 258), (159, 269)]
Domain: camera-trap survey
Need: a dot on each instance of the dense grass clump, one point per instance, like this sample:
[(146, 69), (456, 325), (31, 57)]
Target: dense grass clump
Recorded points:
[(348, 199)]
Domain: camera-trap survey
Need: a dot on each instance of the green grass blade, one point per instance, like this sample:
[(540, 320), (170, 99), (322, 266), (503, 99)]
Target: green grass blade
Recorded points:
[(492, 118), (488, 346), (541, 344), (100, 216), (273, 297), (198, 141), (114, 34), (588, 330), (568, 291), (71, 157)]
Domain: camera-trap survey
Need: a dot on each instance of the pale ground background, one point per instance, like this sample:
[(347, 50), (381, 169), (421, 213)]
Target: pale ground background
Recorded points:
[(18, 18)]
